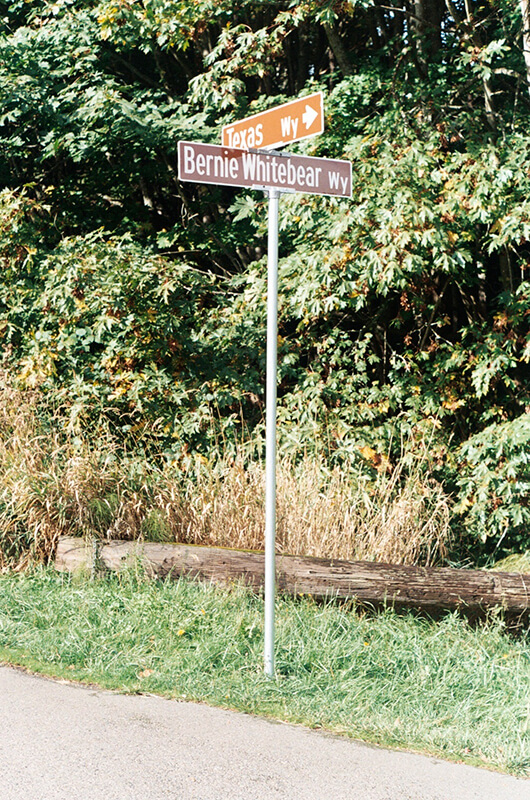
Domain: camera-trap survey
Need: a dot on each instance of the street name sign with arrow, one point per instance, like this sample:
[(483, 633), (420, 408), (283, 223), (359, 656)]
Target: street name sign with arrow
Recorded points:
[(278, 126)]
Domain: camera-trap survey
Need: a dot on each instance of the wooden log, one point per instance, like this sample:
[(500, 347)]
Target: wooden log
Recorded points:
[(426, 588)]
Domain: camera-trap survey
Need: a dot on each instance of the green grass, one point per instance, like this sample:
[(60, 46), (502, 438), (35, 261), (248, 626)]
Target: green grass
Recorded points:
[(439, 687)]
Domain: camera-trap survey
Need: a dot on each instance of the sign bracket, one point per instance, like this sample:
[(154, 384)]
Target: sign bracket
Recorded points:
[(262, 152), (268, 189)]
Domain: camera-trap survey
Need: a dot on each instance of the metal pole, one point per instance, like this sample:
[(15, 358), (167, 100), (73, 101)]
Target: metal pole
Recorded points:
[(270, 409)]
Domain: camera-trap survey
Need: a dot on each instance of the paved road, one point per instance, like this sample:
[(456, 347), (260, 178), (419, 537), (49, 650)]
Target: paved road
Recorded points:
[(65, 742)]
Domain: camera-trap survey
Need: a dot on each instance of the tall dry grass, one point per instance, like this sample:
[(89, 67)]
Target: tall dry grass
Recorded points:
[(395, 517), (54, 484)]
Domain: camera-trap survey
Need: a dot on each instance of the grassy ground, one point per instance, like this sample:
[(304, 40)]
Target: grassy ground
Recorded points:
[(438, 687)]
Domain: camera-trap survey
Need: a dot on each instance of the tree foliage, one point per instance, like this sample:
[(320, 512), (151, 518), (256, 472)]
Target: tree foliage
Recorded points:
[(404, 313)]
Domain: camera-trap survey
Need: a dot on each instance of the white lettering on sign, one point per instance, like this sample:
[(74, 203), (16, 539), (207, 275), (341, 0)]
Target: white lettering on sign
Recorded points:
[(189, 159), (334, 180), (272, 171), (245, 139), (289, 128), (209, 163)]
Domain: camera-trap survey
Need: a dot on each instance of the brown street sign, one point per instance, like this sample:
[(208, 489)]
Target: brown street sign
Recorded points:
[(224, 166), (277, 126)]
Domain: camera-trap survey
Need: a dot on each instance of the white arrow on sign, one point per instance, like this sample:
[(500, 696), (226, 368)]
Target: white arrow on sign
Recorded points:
[(309, 116)]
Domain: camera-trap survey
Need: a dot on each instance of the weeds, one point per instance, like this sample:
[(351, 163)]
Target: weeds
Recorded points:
[(55, 483)]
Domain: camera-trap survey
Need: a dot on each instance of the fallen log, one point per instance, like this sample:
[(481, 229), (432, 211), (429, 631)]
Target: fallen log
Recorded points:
[(428, 589)]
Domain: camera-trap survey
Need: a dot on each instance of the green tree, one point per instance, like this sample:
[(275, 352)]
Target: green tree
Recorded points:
[(404, 313)]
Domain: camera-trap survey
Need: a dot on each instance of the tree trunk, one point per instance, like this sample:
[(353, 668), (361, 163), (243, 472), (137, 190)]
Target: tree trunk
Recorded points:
[(338, 49), (525, 12), (428, 15), (425, 588), (477, 41)]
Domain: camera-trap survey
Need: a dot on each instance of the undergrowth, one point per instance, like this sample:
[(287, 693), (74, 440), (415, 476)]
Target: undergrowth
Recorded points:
[(55, 480)]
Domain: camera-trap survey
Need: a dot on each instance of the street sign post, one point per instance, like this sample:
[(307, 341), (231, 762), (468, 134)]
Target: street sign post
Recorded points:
[(270, 431), (281, 125), (210, 163), (239, 162)]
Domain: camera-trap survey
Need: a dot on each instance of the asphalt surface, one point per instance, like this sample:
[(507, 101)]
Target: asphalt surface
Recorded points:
[(60, 741)]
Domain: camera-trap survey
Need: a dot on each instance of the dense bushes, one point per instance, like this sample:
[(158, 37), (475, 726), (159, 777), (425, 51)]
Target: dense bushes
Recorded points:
[(404, 336)]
